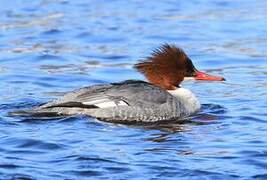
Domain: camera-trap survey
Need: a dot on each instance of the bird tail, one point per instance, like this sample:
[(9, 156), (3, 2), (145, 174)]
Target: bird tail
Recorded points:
[(33, 113)]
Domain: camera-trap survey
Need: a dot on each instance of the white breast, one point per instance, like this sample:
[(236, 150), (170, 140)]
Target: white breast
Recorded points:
[(187, 98)]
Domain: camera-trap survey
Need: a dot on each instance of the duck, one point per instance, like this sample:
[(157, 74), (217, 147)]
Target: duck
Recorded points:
[(160, 98)]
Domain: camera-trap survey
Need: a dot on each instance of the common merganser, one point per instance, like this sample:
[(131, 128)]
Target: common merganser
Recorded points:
[(159, 99)]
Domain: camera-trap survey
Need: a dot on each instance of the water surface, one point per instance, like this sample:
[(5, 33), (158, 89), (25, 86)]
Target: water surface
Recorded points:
[(48, 47)]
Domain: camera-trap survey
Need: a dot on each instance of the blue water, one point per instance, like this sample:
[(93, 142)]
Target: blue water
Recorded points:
[(48, 47)]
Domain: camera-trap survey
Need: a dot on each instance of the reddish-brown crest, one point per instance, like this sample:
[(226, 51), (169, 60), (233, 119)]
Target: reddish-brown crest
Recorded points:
[(165, 68)]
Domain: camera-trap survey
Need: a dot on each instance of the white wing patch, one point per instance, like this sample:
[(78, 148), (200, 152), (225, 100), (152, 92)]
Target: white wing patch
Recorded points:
[(106, 103)]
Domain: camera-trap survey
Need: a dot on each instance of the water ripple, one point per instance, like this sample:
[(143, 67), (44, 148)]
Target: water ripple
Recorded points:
[(51, 47)]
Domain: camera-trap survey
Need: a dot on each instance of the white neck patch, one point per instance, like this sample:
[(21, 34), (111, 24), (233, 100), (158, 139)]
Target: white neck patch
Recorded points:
[(187, 98)]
